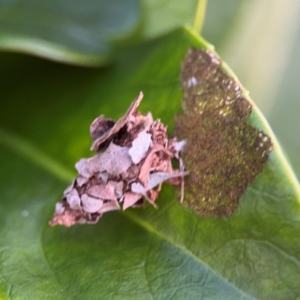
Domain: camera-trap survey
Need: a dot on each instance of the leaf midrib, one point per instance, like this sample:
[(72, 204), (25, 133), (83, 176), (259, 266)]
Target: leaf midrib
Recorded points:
[(152, 230), (22, 148)]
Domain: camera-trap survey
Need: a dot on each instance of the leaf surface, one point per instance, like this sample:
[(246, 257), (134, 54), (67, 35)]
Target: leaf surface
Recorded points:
[(169, 253), (86, 33)]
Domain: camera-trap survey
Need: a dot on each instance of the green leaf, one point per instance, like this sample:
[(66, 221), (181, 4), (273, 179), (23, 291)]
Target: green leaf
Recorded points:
[(80, 33), (139, 254), (85, 33)]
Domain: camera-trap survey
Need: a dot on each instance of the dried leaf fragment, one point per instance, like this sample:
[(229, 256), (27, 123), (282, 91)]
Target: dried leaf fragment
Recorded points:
[(132, 160), (117, 126), (140, 147)]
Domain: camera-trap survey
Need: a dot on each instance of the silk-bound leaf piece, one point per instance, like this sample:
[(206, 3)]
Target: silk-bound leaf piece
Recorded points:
[(223, 153), (124, 167)]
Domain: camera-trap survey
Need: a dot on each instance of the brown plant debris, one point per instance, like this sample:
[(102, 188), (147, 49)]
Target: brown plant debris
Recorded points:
[(223, 153), (133, 158)]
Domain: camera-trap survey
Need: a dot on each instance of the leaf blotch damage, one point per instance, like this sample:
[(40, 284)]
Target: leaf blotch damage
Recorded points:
[(223, 153), (133, 159)]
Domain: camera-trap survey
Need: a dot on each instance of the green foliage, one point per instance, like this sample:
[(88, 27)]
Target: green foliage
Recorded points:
[(46, 109), (84, 33)]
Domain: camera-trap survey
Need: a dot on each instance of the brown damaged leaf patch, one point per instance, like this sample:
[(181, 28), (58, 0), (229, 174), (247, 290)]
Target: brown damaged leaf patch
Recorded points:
[(223, 153)]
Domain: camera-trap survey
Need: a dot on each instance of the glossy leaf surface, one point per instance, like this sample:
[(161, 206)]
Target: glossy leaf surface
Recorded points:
[(139, 254), (85, 33)]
